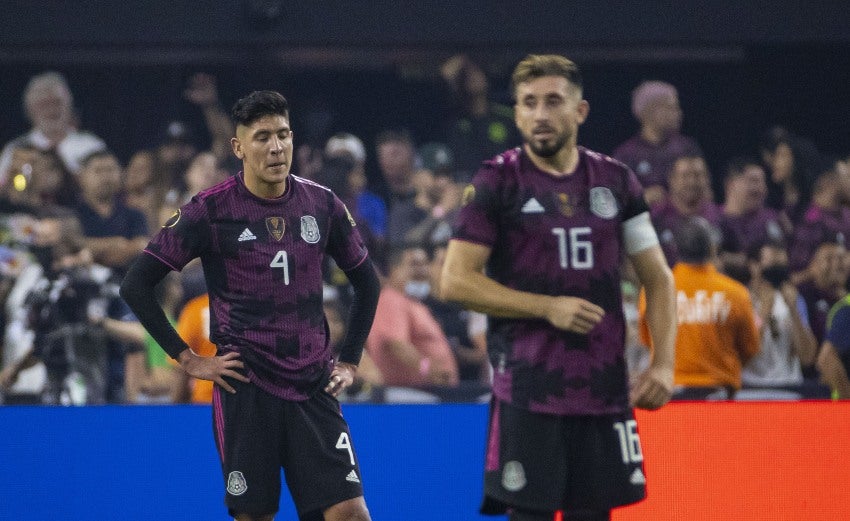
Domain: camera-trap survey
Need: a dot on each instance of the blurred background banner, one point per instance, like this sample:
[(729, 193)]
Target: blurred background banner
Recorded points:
[(777, 461)]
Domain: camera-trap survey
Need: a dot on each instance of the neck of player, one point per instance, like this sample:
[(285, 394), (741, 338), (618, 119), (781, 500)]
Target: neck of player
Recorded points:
[(563, 163)]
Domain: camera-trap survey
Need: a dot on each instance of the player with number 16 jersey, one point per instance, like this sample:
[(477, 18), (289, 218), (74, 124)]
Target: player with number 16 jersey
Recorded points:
[(555, 236)]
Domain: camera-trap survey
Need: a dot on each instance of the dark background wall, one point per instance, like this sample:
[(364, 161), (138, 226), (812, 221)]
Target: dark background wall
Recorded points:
[(361, 66)]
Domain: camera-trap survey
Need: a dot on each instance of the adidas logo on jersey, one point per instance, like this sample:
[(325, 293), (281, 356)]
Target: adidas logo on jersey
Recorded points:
[(532, 206), (637, 478), (352, 477), (246, 235)]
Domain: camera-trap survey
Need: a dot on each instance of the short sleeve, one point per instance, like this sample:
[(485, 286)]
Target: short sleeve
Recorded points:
[(345, 244), (839, 331), (183, 237), (480, 203)]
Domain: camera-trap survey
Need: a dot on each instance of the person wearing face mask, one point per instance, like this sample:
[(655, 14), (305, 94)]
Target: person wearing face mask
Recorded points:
[(406, 343), (787, 342)]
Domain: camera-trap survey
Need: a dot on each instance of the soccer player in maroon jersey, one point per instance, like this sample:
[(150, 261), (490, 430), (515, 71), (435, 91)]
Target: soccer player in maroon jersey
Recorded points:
[(261, 236), (538, 246)]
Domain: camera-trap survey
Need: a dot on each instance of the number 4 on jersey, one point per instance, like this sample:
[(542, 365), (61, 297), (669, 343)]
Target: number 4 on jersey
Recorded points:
[(281, 260)]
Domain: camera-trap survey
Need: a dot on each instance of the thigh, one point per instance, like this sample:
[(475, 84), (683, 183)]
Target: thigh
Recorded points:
[(606, 462), (525, 461), (319, 461), (247, 434)]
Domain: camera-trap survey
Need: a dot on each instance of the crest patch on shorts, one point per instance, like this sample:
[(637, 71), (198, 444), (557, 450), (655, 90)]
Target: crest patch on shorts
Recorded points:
[(513, 476), (236, 485)]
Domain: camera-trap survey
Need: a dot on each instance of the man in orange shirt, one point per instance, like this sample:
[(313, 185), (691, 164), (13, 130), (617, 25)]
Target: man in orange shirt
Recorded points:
[(717, 333), (193, 325)]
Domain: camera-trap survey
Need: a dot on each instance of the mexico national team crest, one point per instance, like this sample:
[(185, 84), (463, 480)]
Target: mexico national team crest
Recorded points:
[(513, 476), (602, 202), (276, 227), (236, 485), (310, 229)]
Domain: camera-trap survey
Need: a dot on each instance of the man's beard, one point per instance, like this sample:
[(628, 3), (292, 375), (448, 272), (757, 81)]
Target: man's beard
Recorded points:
[(549, 147)]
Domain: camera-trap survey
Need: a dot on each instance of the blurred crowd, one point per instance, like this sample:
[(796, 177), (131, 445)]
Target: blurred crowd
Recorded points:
[(73, 216)]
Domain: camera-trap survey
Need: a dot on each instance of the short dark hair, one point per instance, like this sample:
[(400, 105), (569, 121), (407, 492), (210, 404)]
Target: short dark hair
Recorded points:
[(258, 104), (737, 165), (694, 239), (540, 65)]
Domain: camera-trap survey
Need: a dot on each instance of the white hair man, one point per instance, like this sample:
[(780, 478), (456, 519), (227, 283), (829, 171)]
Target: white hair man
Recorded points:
[(49, 106)]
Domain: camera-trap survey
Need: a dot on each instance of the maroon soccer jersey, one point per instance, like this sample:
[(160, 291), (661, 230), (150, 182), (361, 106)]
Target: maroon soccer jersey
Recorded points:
[(555, 236), (262, 261)]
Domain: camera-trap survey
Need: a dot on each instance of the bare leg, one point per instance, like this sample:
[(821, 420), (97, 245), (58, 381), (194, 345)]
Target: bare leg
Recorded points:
[(349, 510)]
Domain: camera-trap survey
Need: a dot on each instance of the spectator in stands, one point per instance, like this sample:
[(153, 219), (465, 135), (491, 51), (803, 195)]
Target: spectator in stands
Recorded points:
[(746, 222), (787, 341), (51, 183), (144, 188), (406, 342), (717, 334), (361, 201), (826, 279), (202, 91), (793, 164), (114, 233), (834, 358), (480, 128), (828, 214), (49, 106), (396, 159), (690, 195), (442, 196), (652, 151), (193, 325), (80, 329), (465, 330)]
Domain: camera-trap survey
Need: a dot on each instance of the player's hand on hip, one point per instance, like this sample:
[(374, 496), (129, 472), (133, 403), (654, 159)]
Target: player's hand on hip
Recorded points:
[(214, 368), (652, 388), (342, 376), (574, 314)]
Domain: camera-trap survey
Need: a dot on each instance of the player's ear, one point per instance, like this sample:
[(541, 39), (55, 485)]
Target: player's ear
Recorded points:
[(236, 145), (583, 110)]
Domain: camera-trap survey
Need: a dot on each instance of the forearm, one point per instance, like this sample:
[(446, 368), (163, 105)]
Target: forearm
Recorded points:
[(476, 291), (803, 340), (137, 289), (132, 332), (661, 320), (833, 372), (367, 288), (114, 251)]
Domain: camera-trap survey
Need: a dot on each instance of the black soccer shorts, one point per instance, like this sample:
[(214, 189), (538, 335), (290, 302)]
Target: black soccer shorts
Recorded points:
[(257, 434), (544, 462)]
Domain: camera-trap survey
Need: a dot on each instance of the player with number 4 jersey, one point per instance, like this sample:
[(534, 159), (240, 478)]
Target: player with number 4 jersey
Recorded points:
[(261, 236), (538, 246)]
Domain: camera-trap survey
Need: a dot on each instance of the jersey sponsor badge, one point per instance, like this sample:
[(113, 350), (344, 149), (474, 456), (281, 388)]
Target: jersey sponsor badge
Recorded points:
[(276, 227), (173, 220), (565, 206), (513, 476), (602, 202), (236, 484), (310, 229)]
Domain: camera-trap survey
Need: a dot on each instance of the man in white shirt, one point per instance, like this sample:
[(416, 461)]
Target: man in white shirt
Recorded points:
[(49, 107)]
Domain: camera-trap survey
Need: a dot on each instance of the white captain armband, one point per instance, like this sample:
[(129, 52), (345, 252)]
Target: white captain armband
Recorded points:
[(638, 233)]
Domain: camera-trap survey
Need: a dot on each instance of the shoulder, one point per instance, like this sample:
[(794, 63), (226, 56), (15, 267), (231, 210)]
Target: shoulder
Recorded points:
[(733, 288), (309, 185), (610, 164)]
